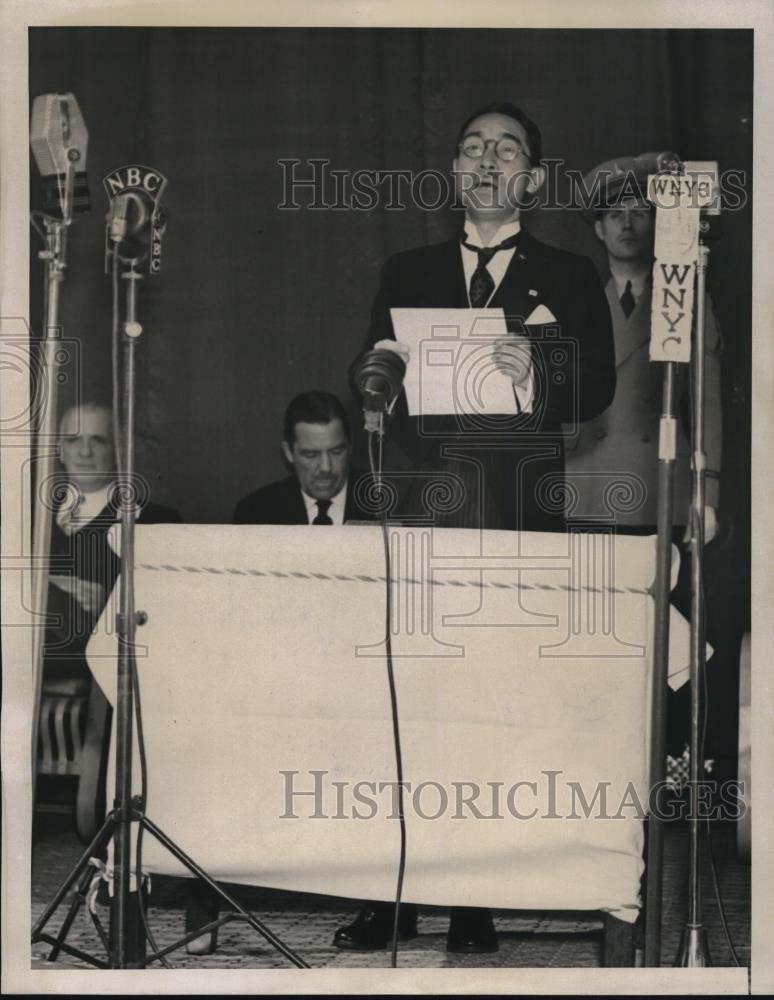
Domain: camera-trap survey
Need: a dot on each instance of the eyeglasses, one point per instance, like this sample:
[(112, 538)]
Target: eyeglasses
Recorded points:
[(506, 149)]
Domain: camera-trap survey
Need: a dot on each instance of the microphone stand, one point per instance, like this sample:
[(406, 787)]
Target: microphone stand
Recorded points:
[(694, 950), (126, 630), (55, 257), (126, 944), (655, 852)]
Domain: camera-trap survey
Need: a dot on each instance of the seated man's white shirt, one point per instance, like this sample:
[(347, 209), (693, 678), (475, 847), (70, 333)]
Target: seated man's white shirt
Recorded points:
[(335, 511), (80, 509), (496, 267)]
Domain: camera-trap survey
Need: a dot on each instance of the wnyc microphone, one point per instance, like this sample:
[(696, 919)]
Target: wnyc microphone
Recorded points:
[(607, 183), (378, 377), (59, 142), (651, 163)]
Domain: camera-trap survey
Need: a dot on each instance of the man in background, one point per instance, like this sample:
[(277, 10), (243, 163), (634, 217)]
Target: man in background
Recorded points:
[(322, 489), (622, 444), (83, 570), (86, 506), (625, 437)]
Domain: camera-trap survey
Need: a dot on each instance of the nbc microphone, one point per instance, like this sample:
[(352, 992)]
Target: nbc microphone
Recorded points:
[(135, 218)]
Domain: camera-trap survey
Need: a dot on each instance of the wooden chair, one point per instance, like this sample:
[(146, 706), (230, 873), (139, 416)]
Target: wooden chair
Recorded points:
[(73, 741)]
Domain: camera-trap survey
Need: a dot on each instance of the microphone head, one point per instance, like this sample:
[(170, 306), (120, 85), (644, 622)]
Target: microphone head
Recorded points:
[(623, 178), (378, 378), (127, 215), (59, 142), (58, 135), (666, 161)]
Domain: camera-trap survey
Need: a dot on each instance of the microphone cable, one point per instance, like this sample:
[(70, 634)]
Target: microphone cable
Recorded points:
[(376, 472), (704, 680)]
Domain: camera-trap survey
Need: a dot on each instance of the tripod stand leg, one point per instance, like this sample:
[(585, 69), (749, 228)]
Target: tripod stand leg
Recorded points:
[(94, 848), (79, 898), (217, 890)]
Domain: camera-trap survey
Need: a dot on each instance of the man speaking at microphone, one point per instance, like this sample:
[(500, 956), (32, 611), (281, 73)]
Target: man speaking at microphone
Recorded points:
[(506, 470), (543, 292)]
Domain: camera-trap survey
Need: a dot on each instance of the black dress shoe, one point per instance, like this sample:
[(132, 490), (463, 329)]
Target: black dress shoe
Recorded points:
[(371, 930), (471, 931)]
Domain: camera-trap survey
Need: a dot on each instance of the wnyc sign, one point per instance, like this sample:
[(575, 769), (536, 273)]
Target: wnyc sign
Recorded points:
[(679, 200), (148, 185)]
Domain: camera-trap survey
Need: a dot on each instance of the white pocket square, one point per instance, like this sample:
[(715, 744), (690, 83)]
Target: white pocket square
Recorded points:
[(540, 314)]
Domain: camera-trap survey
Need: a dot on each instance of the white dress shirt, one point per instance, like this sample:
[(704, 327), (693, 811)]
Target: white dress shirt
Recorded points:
[(335, 511), (496, 267)]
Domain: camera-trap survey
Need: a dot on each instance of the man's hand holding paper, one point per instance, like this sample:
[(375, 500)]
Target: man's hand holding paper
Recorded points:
[(512, 356)]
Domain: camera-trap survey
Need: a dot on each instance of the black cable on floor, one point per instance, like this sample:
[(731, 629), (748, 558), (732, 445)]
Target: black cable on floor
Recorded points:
[(719, 899), (704, 727)]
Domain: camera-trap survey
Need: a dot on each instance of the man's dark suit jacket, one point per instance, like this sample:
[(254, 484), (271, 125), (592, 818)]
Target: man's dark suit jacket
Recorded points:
[(87, 555), (282, 503), (519, 458)]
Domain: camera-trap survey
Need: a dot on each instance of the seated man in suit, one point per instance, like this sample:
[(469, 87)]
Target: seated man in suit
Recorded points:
[(83, 567), (85, 507), (321, 488)]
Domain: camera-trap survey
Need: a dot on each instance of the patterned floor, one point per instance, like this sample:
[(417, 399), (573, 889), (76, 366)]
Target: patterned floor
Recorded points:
[(306, 923)]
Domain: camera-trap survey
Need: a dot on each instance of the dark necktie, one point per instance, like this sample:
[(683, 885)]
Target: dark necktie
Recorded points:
[(322, 512), (627, 300), (482, 283)]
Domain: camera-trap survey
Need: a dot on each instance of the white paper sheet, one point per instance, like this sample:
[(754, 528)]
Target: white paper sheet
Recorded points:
[(451, 369)]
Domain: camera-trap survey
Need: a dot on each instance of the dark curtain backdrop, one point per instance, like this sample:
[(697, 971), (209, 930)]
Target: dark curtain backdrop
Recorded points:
[(255, 304)]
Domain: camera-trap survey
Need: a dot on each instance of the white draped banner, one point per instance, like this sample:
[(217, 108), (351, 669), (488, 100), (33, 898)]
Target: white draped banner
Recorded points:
[(522, 668)]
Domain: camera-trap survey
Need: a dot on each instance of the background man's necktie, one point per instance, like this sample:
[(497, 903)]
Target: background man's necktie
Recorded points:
[(322, 512), (627, 300), (482, 283)]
